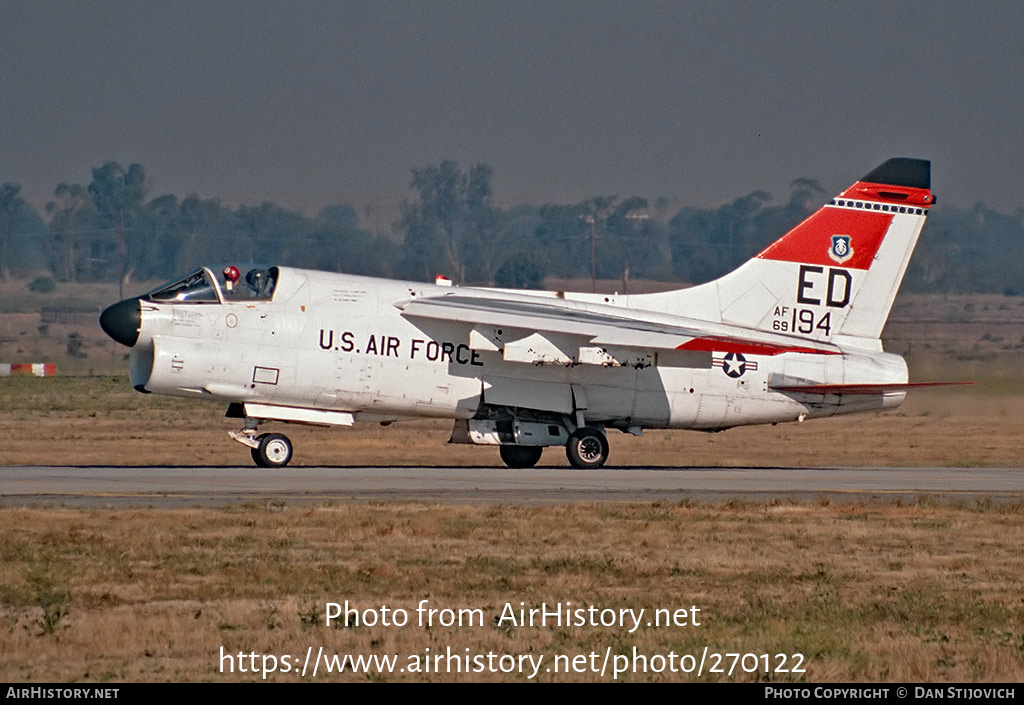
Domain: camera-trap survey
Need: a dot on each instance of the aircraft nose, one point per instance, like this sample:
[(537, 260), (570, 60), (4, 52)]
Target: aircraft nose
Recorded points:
[(123, 321)]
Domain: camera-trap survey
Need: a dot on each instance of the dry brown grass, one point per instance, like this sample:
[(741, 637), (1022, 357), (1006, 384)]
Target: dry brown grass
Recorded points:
[(866, 592)]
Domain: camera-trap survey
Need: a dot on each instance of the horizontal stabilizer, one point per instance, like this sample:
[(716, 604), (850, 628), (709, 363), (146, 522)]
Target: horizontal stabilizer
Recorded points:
[(860, 388)]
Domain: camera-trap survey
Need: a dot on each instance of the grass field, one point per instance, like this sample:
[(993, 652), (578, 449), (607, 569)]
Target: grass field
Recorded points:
[(872, 592), (865, 592), (881, 592)]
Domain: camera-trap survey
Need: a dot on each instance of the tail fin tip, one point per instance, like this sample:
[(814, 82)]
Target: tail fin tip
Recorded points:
[(902, 171)]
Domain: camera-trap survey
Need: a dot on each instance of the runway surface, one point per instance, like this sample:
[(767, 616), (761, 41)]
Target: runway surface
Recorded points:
[(222, 486)]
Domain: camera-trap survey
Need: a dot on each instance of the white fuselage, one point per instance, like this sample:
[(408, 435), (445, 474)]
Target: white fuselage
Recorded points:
[(339, 343)]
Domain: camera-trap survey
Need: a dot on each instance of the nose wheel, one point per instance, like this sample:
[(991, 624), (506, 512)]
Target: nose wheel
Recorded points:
[(269, 450), (273, 450)]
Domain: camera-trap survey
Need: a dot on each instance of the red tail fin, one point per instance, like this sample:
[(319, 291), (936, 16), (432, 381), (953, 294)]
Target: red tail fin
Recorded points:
[(833, 275)]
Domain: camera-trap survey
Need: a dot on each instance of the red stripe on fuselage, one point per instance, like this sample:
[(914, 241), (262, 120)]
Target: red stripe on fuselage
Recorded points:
[(725, 345)]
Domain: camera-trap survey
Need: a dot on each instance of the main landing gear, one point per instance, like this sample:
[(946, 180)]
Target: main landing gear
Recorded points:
[(520, 456), (586, 449)]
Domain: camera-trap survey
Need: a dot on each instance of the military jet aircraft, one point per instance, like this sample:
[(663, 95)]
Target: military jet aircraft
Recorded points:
[(790, 335)]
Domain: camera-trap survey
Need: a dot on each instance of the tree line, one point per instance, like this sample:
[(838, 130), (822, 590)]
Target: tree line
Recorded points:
[(109, 230)]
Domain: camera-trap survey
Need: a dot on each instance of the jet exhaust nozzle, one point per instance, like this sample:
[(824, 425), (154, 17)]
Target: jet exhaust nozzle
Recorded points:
[(123, 321)]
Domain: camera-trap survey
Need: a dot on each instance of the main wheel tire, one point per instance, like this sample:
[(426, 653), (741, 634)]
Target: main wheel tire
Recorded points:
[(520, 456), (587, 448), (274, 451)]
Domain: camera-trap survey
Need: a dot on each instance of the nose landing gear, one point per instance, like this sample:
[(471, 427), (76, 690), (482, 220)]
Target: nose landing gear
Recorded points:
[(274, 450), (268, 450)]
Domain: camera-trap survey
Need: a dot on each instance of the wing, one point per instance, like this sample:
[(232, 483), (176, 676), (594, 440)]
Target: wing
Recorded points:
[(571, 332)]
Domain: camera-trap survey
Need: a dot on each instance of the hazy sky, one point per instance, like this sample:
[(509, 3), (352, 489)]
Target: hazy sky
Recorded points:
[(310, 103)]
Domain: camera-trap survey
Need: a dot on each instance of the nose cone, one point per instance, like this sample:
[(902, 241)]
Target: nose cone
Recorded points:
[(122, 321)]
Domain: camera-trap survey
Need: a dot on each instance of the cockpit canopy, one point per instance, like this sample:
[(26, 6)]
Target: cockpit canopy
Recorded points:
[(219, 285)]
